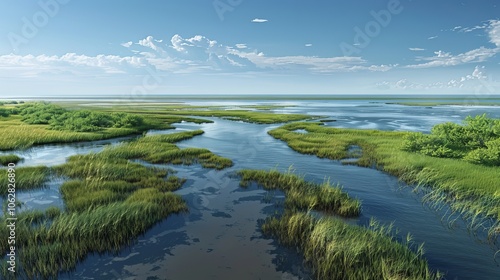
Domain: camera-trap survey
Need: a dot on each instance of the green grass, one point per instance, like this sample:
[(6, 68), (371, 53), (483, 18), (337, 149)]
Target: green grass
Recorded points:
[(109, 201), (243, 115), (16, 134), (304, 195), (181, 112), (160, 149), (6, 159), (336, 250), (266, 107), (27, 178), (469, 189)]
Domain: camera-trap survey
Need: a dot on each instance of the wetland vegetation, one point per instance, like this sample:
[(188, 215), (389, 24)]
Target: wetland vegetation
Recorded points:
[(470, 189), (111, 197), (333, 248), (109, 201)]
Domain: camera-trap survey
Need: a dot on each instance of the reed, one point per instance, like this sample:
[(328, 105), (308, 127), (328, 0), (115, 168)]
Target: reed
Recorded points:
[(109, 202), (6, 159), (303, 195), (27, 178), (470, 189), (243, 115), (336, 250)]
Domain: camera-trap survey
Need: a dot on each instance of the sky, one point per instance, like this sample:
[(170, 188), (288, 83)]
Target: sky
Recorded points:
[(140, 48)]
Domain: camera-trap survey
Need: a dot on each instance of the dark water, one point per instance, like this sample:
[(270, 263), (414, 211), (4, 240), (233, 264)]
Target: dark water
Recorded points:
[(219, 237)]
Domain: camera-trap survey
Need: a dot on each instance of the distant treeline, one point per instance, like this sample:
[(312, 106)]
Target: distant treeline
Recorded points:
[(477, 140)]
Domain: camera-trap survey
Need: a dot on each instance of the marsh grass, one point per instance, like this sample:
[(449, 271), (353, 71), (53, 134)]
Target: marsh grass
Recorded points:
[(336, 250), (6, 159), (27, 178), (303, 195), (161, 149), (109, 201), (471, 190), (15, 134), (243, 115)]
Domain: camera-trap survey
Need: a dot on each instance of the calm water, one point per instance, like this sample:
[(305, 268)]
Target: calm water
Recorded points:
[(219, 237)]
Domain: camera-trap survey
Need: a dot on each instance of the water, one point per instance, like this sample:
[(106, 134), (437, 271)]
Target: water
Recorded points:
[(219, 237)]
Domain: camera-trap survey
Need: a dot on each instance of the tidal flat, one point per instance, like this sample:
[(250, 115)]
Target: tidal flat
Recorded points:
[(172, 187)]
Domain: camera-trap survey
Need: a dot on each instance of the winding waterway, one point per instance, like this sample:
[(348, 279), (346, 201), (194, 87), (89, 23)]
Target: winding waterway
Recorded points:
[(220, 239)]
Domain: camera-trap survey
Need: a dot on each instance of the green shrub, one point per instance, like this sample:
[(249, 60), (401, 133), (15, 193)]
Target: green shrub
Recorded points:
[(39, 113), (475, 141)]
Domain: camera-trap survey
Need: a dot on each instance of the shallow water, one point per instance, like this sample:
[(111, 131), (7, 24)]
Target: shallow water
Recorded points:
[(219, 237)]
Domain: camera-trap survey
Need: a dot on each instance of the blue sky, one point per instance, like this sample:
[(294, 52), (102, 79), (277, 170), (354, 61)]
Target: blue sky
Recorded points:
[(69, 47)]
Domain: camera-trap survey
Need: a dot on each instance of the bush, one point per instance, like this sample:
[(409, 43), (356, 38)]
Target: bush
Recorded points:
[(89, 121), (487, 156), (476, 141), (4, 112), (39, 113)]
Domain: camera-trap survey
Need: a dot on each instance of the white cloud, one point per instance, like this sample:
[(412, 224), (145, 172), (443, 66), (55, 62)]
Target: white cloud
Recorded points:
[(447, 59), (127, 44), (494, 32), (469, 29), (150, 42), (308, 45), (480, 54), (30, 65), (259, 20), (467, 83), (432, 38), (197, 54), (416, 49)]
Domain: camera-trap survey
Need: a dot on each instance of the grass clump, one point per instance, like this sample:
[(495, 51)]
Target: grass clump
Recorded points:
[(301, 194), (44, 123), (109, 201), (161, 149), (27, 178), (336, 250), (15, 134), (6, 159), (470, 189), (243, 115)]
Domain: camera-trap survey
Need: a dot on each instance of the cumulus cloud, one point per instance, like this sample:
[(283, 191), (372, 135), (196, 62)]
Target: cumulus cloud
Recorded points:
[(197, 54), (259, 20), (494, 32), (150, 42), (308, 45), (127, 44)]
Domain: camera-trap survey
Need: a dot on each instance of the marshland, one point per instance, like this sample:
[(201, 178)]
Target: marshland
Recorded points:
[(259, 188)]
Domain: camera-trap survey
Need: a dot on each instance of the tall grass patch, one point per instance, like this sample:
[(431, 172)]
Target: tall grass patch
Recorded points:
[(303, 195), (109, 201), (336, 250), (469, 189)]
